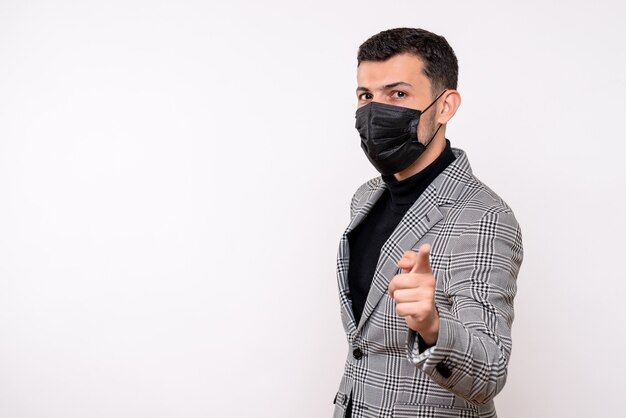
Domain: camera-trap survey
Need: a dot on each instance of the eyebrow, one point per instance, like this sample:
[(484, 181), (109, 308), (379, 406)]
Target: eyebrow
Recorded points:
[(386, 86)]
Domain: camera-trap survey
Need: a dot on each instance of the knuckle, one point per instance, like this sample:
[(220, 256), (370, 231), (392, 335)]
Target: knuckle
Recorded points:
[(419, 316)]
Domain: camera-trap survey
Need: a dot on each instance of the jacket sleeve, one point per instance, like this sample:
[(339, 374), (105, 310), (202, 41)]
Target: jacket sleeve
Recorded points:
[(472, 351)]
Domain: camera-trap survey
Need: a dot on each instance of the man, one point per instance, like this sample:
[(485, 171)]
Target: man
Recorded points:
[(428, 264)]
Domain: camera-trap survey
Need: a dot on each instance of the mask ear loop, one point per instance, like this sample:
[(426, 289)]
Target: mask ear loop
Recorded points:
[(433, 137), (435, 101), (428, 107)]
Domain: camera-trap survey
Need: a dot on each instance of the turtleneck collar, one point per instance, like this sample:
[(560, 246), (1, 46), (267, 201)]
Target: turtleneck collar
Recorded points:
[(405, 192)]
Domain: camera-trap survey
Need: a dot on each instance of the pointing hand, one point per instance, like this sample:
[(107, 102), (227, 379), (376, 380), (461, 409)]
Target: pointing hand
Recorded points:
[(413, 290)]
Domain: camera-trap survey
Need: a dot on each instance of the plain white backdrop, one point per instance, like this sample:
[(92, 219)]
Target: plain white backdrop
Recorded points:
[(175, 177)]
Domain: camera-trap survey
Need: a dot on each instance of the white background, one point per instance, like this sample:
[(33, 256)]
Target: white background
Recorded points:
[(175, 177)]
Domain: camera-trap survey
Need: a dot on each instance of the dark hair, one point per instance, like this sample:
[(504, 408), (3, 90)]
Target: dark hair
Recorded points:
[(440, 63)]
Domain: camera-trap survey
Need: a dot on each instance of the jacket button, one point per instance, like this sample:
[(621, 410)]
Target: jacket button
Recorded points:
[(357, 353)]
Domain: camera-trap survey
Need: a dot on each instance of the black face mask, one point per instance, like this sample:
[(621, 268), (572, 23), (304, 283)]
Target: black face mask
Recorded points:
[(389, 135)]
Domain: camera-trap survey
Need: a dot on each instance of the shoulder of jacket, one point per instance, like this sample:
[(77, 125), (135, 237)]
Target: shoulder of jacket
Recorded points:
[(478, 199), (475, 193), (369, 185)]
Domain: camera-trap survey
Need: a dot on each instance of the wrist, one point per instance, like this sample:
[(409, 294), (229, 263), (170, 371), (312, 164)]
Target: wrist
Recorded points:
[(431, 333)]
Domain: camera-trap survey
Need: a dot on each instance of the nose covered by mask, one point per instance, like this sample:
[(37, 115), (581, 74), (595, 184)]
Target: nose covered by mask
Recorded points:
[(389, 135)]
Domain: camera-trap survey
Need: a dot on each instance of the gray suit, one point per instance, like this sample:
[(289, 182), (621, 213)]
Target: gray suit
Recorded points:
[(476, 255)]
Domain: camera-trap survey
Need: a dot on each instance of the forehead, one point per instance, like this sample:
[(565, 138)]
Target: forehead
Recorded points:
[(403, 67)]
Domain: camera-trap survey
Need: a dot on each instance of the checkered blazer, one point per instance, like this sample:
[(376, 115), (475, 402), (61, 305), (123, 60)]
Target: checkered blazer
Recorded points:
[(476, 255)]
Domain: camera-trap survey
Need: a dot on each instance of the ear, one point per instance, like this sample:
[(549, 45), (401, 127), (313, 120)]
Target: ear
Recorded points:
[(450, 102)]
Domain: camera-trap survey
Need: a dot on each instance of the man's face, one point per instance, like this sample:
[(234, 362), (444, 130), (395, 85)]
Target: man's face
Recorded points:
[(399, 81)]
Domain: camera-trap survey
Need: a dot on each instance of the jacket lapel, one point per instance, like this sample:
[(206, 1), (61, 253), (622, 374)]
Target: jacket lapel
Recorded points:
[(362, 208), (366, 203), (419, 219)]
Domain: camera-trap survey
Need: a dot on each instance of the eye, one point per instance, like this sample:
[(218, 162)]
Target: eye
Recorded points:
[(365, 96), (398, 94)]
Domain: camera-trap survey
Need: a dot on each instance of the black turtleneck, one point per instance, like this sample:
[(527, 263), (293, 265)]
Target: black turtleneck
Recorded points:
[(368, 237)]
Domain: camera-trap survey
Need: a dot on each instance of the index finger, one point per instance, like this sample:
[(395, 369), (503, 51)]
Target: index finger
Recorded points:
[(422, 263)]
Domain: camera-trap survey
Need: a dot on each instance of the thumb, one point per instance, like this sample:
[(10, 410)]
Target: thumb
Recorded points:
[(422, 263), (408, 260)]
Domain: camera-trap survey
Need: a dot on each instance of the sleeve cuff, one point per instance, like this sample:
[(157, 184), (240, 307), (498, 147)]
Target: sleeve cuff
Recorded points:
[(418, 350)]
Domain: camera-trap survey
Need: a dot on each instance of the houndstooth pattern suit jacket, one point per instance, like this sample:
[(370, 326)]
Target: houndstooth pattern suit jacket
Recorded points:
[(476, 255)]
